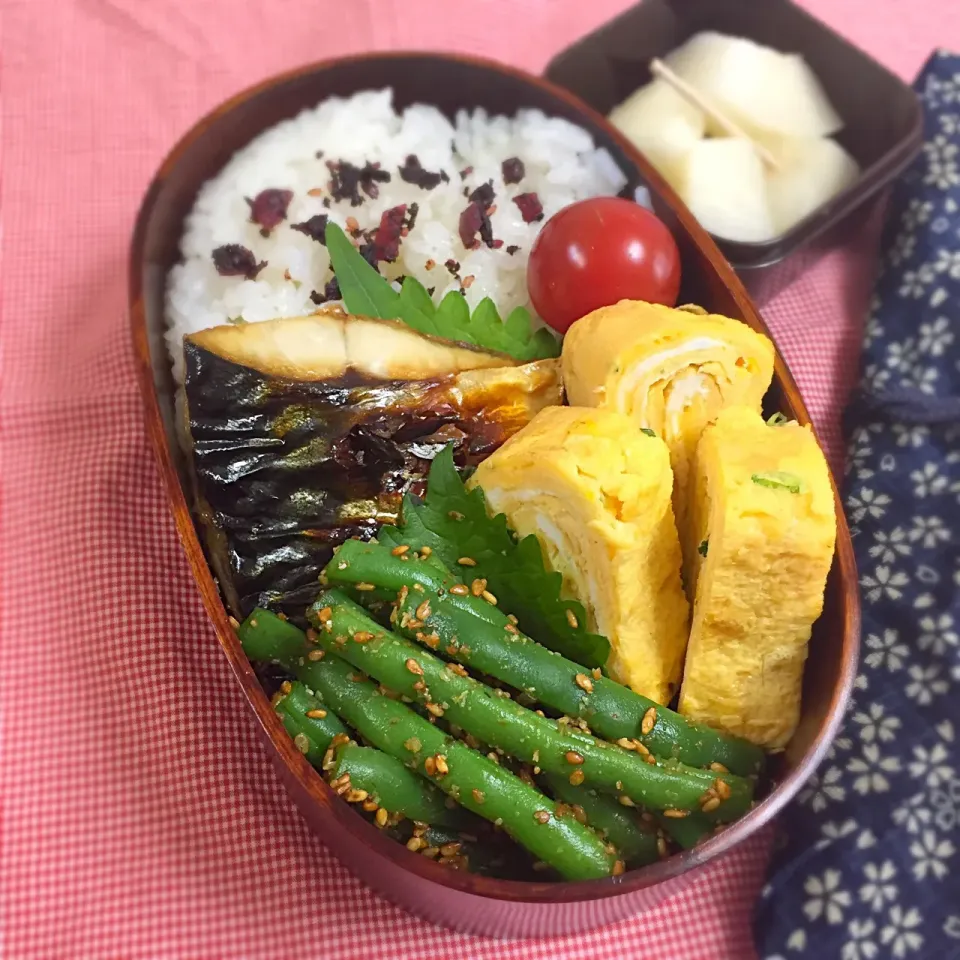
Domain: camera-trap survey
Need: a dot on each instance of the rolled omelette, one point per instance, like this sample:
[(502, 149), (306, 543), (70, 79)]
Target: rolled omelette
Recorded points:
[(761, 534), (671, 370), (596, 492)]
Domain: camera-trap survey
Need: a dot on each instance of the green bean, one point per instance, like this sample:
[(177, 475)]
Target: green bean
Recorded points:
[(619, 824), (472, 779), (408, 669), (313, 726), (490, 643)]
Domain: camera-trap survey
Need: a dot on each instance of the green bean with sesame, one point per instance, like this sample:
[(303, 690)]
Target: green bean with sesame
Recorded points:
[(480, 635), (370, 773), (475, 782), (619, 824), (408, 669)]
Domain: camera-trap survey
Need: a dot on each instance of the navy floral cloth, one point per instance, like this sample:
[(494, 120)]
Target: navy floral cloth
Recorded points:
[(871, 866)]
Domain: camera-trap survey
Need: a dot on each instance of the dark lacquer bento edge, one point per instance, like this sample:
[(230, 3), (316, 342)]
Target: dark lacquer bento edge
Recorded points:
[(306, 779)]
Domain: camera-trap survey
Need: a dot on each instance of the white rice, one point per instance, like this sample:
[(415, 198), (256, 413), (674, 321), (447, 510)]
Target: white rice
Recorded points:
[(561, 165)]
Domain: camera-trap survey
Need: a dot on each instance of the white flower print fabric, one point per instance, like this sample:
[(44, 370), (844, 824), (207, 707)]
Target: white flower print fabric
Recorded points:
[(871, 865)]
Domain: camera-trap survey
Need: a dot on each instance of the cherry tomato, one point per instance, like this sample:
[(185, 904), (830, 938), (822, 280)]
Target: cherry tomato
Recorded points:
[(597, 252)]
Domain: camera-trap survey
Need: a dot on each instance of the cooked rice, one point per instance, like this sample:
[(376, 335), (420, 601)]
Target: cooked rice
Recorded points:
[(560, 161)]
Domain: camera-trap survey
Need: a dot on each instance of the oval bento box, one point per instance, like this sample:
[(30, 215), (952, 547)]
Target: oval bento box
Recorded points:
[(463, 901)]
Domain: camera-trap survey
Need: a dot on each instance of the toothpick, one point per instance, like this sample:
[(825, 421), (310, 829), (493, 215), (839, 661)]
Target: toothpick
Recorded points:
[(659, 69)]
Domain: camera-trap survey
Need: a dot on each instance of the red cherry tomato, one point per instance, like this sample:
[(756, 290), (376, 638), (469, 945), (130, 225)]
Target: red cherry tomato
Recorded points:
[(597, 252)]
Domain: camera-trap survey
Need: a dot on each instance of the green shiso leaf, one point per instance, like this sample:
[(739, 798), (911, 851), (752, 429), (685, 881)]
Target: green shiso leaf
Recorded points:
[(454, 523), (366, 293)]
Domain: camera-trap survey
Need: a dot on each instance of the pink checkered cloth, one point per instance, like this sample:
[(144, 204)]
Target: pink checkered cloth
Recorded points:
[(140, 815)]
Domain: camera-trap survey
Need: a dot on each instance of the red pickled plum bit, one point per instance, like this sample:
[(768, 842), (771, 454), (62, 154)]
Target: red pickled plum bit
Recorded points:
[(596, 252), (269, 208), (513, 170), (530, 207), (386, 241), (234, 260), (474, 220)]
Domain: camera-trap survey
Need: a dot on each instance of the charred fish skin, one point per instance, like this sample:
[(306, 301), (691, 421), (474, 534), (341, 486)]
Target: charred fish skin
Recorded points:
[(284, 470)]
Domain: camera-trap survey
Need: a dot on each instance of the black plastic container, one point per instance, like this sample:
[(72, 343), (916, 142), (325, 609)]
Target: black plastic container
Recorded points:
[(883, 119)]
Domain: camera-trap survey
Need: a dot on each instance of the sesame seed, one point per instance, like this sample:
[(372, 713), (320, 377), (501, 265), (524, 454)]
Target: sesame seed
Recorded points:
[(492, 756), (356, 796), (512, 619), (662, 848), (432, 640), (468, 281), (722, 788), (478, 796), (510, 628), (675, 814), (429, 852), (573, 757), (454, 514), (430, 766), (478, 586), (316, 714), (412, 744), (425, 551), (362, 636), (400, 550), (489, 597), (572, 619), (370, 804), (302, 742), (467, 562), (286, 687), (342, 565), (577, 777), (441, 762), (450, 849), (641, 748), (311, 635), (414, 667), (584, 682), (429, 264), (418, 586), (649, 719), (234, 622), (718, 767), (459, 590), (324, 614), (618, 868), (626, 743), (650, 758), (414, 844), (625, 801), (423, 611), (364, 587), (710, 805), (435, 709), (542, 816)]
